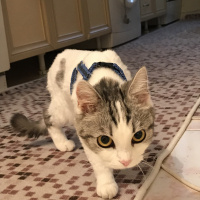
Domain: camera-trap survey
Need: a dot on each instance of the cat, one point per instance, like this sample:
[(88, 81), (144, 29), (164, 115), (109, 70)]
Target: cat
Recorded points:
[(113, 113)]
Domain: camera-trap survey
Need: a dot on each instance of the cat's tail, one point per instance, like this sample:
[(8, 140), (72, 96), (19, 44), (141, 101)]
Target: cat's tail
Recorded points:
[(27, 127)]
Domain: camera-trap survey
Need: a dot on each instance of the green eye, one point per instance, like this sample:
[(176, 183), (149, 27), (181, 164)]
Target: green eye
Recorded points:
[(104, 141), (139, 136)]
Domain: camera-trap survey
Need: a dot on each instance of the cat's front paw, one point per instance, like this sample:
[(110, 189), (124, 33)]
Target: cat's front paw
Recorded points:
[(107, 190), (67, 145)]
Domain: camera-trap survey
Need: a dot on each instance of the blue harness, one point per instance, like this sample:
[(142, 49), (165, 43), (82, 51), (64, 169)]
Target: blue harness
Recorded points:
[(86, 73)]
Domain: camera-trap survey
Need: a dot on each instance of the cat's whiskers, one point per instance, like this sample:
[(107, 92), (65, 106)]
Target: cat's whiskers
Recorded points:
[(146, 156), (141, 171), (146, 163)]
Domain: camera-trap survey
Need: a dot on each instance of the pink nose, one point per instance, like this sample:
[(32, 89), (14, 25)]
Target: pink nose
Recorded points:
[(125, 162)]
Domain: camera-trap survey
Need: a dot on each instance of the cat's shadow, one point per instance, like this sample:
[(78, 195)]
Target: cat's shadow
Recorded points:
[(47, 141)]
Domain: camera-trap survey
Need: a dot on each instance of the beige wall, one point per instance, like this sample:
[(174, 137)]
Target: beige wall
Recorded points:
[(190, 7)]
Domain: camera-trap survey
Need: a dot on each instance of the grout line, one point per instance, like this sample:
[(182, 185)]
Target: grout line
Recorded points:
[(142, 191), (196, 118), (182, 180)]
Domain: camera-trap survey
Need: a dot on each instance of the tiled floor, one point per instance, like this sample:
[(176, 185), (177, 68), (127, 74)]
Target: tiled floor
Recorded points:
[(184, 163), (34, 170)]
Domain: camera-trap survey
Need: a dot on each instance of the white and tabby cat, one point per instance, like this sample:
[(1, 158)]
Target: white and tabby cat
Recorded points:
[(113, 117)]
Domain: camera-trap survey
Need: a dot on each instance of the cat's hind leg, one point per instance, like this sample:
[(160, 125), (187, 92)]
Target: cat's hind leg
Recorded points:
[(54, 127)]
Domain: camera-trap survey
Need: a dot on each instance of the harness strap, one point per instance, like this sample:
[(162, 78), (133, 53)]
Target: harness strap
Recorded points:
[(86, 73)]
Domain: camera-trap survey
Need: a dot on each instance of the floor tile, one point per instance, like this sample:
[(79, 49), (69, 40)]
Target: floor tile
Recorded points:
[(184, 159), (194, 125), (166, 187), (172, 59)]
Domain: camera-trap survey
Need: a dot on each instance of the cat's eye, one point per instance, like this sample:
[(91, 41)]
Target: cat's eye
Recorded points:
[(104, 141), (139, 136)]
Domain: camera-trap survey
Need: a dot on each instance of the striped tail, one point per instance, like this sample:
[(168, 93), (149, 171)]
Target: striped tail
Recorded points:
[(26, 127)]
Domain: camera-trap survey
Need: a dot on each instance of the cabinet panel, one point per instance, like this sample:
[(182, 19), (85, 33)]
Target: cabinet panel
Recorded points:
[(152, 8), (66, 21), (4, 60), (97, 17), (99, 20), (24, 20), (69, 11), (24, 26), (160, 5), (34, 27), (146, 7)]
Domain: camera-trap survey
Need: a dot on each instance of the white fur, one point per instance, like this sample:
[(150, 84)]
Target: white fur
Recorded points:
[(123, 151), (62, 98), (63, 107)]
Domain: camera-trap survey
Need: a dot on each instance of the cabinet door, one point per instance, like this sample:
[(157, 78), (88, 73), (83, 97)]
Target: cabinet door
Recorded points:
[(160, 5), (146, 7), (4, 60), (99, 19), (65, 19), (25, 28)]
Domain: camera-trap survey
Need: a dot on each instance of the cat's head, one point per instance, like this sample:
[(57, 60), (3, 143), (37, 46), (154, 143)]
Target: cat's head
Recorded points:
[(116, 121)]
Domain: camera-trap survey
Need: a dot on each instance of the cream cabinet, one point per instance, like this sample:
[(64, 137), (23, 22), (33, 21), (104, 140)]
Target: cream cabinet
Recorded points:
[(146, 9), (150, 9), (66, 22), (160, 7), (34, 27), (98, 15), (25, 28), (4, 59)]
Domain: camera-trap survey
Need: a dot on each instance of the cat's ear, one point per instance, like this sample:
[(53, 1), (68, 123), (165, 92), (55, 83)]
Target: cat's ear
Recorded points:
[(87, 97), (139, 89)]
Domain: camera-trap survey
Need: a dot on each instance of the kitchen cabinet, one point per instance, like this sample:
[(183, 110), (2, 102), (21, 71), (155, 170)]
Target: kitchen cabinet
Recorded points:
[(40, 26), (150, 9), (160, 7), (25, 28), (4, 59), (146, 9), (66, 23), (99, 19)]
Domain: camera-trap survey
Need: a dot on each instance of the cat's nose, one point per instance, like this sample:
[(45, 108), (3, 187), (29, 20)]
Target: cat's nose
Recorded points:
[(125, 162)]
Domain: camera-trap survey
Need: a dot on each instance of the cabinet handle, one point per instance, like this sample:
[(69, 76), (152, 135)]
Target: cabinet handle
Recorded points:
[(146, 4)]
